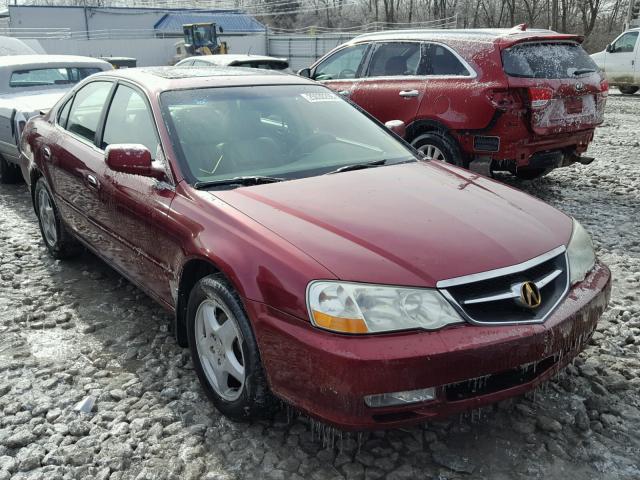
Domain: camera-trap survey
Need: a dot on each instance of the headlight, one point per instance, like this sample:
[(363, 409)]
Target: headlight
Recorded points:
[(580, 252), (361, 308)]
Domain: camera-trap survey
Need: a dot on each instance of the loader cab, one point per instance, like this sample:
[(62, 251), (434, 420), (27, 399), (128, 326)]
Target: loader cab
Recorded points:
[(202, 39)]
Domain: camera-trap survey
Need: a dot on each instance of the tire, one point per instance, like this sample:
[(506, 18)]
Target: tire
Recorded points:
[(628, 90), (225, 353), (57, 239), (531, 173), (437, 146), (9, 173)]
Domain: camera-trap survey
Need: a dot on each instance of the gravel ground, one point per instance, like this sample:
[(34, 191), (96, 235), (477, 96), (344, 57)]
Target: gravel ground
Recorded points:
[(76, 328)]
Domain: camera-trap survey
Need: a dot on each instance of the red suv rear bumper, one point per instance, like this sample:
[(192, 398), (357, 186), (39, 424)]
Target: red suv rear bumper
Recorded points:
[(327, 375)]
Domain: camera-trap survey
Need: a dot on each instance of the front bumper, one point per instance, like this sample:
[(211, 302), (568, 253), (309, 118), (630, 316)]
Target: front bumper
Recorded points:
[(327, 375)]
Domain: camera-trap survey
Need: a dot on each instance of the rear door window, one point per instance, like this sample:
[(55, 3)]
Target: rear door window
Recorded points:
[(547, 60), (87, 108), (625, 44), (344, 64), (442, 61), (394, 59)]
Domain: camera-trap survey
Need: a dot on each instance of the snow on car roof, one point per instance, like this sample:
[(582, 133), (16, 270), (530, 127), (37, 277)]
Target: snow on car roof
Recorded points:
[(227, 59), (471, 34), (159, 79), (47, 60)]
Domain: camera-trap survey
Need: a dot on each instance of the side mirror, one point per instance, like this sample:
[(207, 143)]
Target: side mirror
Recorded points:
[(608, 49), (305, 72), (397, 126), (131, 158), (220, 29)]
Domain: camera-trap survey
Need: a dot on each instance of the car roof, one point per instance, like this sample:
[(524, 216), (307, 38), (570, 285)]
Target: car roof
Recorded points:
[(502, 35), (47, 60), (226, 59), (158, 79)]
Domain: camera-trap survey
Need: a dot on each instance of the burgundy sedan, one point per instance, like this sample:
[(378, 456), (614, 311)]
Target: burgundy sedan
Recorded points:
[(308, 253)]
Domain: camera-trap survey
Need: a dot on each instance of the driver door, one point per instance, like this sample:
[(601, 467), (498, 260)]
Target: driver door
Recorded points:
[(620, 60), (342, 69)]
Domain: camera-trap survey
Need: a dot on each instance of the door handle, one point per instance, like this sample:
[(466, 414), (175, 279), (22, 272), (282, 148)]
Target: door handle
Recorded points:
[(409, 93), (345, 93), (92, 181), (46, 153)]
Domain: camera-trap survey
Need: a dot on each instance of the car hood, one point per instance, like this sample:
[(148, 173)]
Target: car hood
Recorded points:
[(33, 101), (410, 224), (598, 59)]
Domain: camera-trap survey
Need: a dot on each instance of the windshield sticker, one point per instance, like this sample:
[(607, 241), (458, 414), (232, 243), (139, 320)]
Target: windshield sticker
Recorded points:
[(320, 97)]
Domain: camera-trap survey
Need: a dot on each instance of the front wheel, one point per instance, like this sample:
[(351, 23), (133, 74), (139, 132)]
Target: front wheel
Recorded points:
[(225, 353), (441, 147), (56, 237), (628, 90)]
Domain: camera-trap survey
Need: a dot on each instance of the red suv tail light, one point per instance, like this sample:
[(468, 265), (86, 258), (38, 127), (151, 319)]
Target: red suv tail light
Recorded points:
[(540, 96), (504, 99), (604, 87)]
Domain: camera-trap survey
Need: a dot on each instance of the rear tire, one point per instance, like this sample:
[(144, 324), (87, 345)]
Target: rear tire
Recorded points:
[(9, 173), (225, 353), (628, 90), (531, 173), (437, 146), (57, 239)]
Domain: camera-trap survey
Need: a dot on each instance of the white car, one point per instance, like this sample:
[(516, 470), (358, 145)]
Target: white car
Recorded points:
[(621, 61), (30, 84), (236, 60)]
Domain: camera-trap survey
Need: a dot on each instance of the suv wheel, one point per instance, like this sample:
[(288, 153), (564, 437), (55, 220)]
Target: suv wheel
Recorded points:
[(629, 90), (56, 238), (9, 173), (435, 146), (225, 353)]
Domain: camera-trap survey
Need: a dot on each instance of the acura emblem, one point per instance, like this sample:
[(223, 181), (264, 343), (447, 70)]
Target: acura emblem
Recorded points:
[(530, 295), (579, 86)]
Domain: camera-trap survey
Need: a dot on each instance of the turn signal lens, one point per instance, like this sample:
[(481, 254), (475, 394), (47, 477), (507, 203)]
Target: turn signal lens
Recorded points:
[(337, 324), (604, 87), (540, 96)]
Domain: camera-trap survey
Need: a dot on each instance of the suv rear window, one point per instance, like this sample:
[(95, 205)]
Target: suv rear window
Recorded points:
[(546, 60)]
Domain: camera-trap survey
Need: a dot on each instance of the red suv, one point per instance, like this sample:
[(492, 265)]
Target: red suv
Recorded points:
[(523, 101)]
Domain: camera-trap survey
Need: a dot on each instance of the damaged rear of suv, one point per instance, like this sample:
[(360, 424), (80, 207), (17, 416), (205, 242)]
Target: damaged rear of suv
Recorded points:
[(518, 100)]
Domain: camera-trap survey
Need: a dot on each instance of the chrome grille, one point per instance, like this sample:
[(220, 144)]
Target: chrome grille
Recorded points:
[(494, 297)]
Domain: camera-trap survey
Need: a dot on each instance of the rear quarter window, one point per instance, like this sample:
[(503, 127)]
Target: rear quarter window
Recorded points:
[(546, 60)]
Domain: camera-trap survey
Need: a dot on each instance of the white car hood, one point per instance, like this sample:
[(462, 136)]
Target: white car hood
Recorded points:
[(33, 101)]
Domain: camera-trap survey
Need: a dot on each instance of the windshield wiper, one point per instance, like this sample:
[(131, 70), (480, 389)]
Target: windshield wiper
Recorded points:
[(357, 166), (582, 71), (242, 181)]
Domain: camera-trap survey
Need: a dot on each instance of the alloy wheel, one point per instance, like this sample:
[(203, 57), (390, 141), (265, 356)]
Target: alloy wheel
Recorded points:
[(431, 152), (47, 217), (219, 347)]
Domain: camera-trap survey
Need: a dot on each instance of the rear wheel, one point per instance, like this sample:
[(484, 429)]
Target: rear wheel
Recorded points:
[(629, 90), (436, 146), (56, 237), (9, 173), (225, 353)]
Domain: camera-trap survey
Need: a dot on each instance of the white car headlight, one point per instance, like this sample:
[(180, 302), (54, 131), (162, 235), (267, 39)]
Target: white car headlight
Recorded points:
[(581, 254), (362, 308)]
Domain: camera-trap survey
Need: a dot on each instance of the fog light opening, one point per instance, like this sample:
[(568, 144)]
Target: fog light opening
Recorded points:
[(400, 398)]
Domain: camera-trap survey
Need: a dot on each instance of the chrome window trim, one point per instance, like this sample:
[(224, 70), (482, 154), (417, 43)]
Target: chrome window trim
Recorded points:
[(487, 275)]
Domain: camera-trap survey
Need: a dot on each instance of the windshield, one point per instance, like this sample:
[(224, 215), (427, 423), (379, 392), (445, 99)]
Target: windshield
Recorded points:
[(39, 77), (547, 60), (264, 64), (288, 131)]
